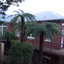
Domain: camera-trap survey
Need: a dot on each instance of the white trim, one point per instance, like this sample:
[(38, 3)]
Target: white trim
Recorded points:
[(47, 40), (2, 26), (62, 24), (62, 40), (30, 37), (17, 33)]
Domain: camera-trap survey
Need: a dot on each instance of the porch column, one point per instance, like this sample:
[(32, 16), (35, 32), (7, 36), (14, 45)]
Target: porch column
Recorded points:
[(60, 60), (62, 40), (63, 60), (1, 51)]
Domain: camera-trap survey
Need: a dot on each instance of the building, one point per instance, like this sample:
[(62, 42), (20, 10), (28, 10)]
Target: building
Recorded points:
[(53, 51)]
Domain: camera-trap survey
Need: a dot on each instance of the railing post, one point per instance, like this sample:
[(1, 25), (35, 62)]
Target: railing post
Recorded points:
[(50, 46), (32, 41)]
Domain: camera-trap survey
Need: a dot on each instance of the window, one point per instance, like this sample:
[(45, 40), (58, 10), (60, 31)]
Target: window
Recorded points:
[(30, 37), (2, 28), (47, 40), (17, 33)]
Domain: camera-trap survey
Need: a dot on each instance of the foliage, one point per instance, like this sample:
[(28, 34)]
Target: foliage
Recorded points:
[(1, 22), (28, 26), (19, 14), (7, 34), (19, 19), (16, 20), (27, 52), (4, 4), (20, 53), (15, 52), (48, 28)]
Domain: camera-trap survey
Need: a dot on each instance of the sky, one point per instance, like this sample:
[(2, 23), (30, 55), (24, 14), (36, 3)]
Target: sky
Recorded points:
[(36, 6)]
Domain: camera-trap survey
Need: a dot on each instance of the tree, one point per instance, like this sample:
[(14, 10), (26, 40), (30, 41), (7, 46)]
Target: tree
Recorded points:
[(4, 4), (1, 22), (21, 16), (46, 29), (7, 36)]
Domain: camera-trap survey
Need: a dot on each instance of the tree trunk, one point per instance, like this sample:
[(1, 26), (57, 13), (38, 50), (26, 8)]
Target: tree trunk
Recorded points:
[(41, 48), (22, 30), (7, 39)]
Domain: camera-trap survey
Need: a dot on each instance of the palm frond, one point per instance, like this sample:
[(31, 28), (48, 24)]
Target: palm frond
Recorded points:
[(17, 27), (30, 24), (21, 10), (49, 30), (17, 12), (29, 17), (54, 25), (9, 16), (14, 19), (35, 30)]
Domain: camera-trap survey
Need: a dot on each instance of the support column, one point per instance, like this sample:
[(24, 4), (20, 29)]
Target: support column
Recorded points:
[(62, 40), (60, 60), (1, 51), (63, 60)]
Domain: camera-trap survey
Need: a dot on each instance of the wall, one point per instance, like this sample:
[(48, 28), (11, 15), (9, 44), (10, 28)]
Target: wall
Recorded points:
[(9, 26), (46, 44), (57, 39), (52, 59)]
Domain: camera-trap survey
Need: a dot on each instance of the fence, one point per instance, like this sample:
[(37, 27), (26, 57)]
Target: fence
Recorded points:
[(33, 41)]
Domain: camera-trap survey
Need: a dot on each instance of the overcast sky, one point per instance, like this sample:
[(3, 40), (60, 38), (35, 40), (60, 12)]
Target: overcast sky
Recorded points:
[(36, 6)]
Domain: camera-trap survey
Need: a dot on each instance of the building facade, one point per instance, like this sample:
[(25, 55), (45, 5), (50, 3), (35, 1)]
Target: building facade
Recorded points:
[(53, 52)]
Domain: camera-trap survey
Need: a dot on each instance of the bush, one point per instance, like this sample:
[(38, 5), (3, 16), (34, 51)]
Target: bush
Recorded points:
[(20, 53), (27, 52)]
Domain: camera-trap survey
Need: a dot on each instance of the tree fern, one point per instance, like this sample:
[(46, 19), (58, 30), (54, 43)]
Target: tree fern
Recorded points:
[(46, 29), (23, 16)]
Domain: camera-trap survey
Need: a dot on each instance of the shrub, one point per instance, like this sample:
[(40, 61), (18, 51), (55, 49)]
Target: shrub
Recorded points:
[(20, 53), (27, 52), (14, 55)]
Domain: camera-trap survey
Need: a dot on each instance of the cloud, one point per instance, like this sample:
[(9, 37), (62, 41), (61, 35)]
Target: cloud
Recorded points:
[(34, 6)]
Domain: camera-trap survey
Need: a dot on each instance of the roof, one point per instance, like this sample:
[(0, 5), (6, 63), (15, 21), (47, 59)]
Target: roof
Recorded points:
[(6, 18), (47, 15)]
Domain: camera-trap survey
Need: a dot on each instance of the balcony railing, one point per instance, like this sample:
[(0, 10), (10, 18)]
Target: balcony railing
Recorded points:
[(33, 41)]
